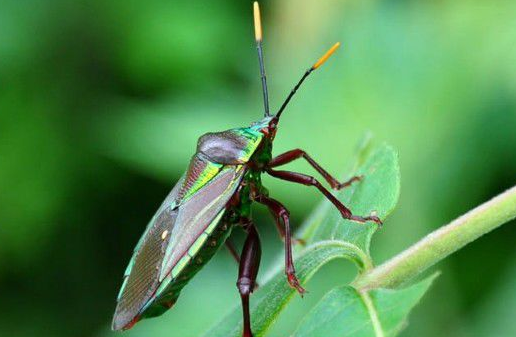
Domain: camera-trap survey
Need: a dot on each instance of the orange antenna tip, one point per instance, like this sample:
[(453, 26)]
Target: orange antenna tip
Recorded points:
[(326, 56), (257, 22)]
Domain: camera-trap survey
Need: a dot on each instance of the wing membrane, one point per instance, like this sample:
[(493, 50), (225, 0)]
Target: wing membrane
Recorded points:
[(141, 275), (197, 213), (142, 281), (167, 238)]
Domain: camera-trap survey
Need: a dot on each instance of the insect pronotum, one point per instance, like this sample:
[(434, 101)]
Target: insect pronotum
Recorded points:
[(214, 195)]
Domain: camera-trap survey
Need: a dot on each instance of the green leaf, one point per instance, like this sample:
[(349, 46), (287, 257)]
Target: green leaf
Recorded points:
[(272, 297), (378, 192), (345, 311), (328, 237)]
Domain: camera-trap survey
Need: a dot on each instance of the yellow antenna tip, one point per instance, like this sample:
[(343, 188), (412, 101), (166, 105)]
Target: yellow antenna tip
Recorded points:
[(257, 22), (326, 56)]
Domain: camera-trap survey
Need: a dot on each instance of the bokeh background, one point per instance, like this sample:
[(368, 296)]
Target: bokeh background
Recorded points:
[(101, 103)]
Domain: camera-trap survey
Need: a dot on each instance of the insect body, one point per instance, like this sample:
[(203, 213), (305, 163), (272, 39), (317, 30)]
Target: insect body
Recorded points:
[(213, 196)]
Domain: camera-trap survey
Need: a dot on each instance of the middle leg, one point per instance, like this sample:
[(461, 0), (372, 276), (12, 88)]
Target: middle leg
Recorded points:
[(292, 155), (232, 251), (281, 214), (311, 181)]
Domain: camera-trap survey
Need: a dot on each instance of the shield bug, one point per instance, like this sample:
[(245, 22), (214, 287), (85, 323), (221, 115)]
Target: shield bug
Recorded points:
[(214, 195)]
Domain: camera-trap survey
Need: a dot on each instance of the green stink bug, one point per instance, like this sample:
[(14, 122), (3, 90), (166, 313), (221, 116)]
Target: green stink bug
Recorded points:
[(215, 194)]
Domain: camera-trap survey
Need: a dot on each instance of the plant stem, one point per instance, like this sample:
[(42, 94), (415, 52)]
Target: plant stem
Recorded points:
[(441, 243)]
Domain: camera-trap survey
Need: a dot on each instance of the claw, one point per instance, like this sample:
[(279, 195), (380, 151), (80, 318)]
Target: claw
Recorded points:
[(349, 182), (375, 219), (294, 283), (371, 217)]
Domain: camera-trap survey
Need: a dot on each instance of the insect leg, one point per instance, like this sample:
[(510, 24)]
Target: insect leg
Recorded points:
[(281, 232), (311, 181), (232, 250), (247, 272), (292, 155), (280, 212)]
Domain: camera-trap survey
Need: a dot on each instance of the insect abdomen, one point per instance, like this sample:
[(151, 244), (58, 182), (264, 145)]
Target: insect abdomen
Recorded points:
[(138, 289), (171, 287)]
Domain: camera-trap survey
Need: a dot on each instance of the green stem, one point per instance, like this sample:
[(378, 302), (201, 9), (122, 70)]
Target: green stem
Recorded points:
[(441, 243)]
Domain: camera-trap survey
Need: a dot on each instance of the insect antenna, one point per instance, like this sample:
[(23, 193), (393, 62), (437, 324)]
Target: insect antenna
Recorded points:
[(316, 65), (258, 37)]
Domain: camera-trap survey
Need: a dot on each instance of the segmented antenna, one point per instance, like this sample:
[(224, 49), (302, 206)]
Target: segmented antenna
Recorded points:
[(258, 38), (316, 65)]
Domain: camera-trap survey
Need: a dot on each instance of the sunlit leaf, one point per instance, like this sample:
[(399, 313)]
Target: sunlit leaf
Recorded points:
[(329, 237), (378, 192), (344, 311), (271, 298)]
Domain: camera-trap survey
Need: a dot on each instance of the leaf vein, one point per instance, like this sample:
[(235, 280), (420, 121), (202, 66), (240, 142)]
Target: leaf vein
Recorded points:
[(373, 314)]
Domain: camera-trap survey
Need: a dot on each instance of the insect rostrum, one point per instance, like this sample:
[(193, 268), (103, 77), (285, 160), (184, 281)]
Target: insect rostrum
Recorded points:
[(214, 195)]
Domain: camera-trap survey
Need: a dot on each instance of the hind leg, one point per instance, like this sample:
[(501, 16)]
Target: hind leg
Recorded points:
[(247, 272)]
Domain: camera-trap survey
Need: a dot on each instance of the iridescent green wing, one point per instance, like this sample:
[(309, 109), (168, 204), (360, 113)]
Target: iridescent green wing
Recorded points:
[(197, 214), (170, 202), (184, 214), (145, 257)]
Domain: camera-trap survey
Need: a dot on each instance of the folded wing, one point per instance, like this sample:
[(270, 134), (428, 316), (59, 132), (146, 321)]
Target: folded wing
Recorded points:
[(169, 235)]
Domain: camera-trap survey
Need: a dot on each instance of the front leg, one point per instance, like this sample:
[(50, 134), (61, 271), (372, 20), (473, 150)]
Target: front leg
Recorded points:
[(311, 181), (247, 272), (280, 213), (292, 155)]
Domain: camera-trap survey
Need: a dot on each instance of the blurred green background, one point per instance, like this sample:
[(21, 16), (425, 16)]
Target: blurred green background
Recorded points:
[(101, 103)]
